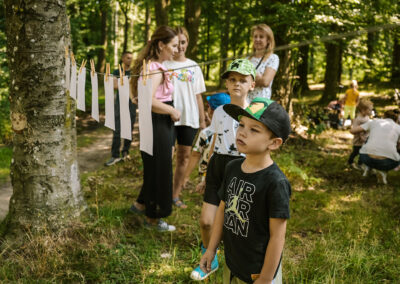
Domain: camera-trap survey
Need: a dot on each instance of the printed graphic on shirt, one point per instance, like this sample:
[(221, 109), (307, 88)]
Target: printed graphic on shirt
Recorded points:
[(184, 75), (238, 205)]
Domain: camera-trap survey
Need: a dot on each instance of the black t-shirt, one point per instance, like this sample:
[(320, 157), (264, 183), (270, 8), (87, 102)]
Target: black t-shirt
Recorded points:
[(127, 73), (250, 200)]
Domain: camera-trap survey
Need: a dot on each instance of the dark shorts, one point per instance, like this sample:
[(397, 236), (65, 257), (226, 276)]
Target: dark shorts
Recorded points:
[(378, 164), (185, 135), (215, 176)]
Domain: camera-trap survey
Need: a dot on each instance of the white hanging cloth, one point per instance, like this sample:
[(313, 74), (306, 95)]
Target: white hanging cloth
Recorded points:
[(72, 86), (109, 94), (95, 96), (125, 117), (81, 89), (145, 120)]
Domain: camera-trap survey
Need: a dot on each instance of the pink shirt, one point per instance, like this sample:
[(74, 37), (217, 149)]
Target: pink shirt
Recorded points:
[(165, 90)]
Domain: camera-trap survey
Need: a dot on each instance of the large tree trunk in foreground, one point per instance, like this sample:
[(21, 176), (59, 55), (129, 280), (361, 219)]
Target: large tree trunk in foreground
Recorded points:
[(331, 71), (44, 170), (161, 11), (192, 23)]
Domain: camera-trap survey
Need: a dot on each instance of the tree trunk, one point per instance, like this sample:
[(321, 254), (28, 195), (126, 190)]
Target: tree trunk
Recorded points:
[(192, 23), (161, 9), (331, 71), (371, 40), (225, 36), (101, 56), (283, 83), (208, 49), (396, 59), (302, 68), (44, 170), (126, 27), (147, 22)]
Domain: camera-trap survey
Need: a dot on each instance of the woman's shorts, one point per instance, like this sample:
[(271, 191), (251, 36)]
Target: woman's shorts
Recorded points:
[(215, 176), (185, 135)]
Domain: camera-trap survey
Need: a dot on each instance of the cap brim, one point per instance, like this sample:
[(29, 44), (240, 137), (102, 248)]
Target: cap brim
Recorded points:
[(236, 112)]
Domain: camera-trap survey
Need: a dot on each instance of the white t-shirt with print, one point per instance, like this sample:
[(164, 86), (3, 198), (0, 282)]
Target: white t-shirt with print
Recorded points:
[(264, 92), (225, 127), (382, 140), (188, 82)]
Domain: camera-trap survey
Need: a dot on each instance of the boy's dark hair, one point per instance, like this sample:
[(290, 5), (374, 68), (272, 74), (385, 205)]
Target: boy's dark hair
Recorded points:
[(391, 114)]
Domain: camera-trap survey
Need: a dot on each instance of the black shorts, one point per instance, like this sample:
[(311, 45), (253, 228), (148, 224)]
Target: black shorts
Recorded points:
[(215, 176), (185, 135)]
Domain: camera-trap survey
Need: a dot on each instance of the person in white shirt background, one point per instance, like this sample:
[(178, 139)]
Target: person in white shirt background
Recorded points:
[(188, 86), (264, 60)]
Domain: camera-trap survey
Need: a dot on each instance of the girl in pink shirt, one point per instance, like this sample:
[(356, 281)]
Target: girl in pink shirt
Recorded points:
[(155, 198)]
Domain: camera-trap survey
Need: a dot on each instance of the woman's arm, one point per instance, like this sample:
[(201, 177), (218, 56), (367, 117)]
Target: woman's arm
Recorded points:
[(200, 104), (265, 79), (277, 228), (356, 129), (216, 236), (156, 105)]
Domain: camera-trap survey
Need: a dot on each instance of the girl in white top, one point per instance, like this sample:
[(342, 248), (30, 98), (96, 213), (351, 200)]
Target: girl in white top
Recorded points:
[(188, 85), (264, 60)]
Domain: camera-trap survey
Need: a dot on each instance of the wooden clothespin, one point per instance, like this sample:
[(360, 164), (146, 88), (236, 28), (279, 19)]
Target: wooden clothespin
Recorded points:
[(92, 67), (83, 65), (144, 73), (66, 52), (72, 58), (107, 71), (121, 73), (148, 69)]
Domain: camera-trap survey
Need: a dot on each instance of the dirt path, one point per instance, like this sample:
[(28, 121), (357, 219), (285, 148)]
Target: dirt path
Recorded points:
[(90, 158)]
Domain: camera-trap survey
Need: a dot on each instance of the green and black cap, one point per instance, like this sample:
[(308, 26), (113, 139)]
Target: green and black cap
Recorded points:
[(241, 66), (266, 111)]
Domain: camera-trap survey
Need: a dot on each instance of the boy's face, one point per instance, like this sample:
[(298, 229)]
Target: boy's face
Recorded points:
[(253, 137), (239, 85), (366, 111)]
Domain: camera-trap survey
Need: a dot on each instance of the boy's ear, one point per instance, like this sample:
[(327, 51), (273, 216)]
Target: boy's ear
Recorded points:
[(276, 143), (253, 85)]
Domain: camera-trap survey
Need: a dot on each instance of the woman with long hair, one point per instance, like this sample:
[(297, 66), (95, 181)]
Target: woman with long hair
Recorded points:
[(155, 198), (264, 60), (188, 82)]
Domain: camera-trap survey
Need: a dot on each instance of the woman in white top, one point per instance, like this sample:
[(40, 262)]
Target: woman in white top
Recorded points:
[(380, 151), (188, 81), (265, 61)]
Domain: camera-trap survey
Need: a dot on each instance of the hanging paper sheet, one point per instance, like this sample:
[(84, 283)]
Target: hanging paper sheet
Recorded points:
[(95, 96), (109, 94), (81, 89), (126, 125), (67, 72), (72, 86), (145, 120)]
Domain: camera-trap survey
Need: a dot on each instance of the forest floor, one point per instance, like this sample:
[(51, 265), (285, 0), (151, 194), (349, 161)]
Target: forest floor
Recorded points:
[(344, 228)]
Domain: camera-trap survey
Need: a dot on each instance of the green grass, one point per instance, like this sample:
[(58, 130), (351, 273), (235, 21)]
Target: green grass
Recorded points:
[(5, 161), (343, 228)]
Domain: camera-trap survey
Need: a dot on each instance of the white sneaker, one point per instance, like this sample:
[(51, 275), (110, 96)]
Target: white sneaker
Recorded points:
[(382, 176), (365, 169), (355, 166)]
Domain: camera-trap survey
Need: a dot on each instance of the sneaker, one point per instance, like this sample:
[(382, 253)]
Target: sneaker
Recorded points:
[(125, 156), (365, 168), (135, 210), (112, 161), (355, 166), (381, 175), (198, 274), (161, 226)]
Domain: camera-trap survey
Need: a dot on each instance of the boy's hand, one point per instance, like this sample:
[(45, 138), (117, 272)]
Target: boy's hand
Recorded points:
[(175, 115), (206, 259), (201, 186)]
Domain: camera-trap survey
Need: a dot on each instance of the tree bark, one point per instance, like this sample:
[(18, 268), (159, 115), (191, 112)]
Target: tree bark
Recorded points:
[(331, 71), (161, 10), (147, 22), (371, 40), (44, 169), (192, 23), (126, 25), (101, 56), (302, 68), (396, 59), (225, 36), (283, 83)]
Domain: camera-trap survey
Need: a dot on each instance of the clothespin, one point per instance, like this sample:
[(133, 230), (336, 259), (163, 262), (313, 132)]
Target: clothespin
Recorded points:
[(66, 52), (107, 71), (83, 65), (144, 72), (92, 66), (72, 58), (121, 73), (148, 69)]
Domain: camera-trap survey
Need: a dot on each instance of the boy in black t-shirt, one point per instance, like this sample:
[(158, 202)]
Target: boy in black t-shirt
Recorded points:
[(254, 208)]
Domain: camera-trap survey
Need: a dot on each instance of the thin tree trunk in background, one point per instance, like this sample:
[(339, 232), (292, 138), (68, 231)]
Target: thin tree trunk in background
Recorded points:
[(192, 23), (101, 56), (371, 40), (125, 11), (302, 68), (340, 59), (147, 22), (225, 36), (396, 59), (44, 170), (116, 35), (161, 10), (331, 71), (208, 49)]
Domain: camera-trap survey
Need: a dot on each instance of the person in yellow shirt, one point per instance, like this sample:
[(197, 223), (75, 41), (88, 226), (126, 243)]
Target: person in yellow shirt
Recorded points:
[(351, 99)]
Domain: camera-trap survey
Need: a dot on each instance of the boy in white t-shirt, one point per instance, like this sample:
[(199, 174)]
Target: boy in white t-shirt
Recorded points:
[(240, 80)]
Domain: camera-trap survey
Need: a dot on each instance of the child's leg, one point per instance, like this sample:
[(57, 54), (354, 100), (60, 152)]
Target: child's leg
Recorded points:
[(208, 212), (356, 151)]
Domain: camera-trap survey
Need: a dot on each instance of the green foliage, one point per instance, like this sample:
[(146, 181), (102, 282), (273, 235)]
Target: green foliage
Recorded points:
[(5, 161)]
